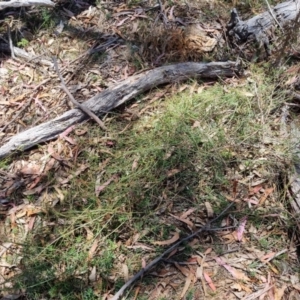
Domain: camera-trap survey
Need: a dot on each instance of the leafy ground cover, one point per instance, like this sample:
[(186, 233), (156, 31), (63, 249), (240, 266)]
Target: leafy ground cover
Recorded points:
[(84, 213)]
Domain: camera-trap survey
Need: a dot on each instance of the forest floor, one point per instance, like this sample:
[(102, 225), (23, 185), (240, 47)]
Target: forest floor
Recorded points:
[(82, 214)]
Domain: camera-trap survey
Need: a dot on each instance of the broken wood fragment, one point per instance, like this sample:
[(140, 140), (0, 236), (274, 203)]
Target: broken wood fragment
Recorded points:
[(259, 28)]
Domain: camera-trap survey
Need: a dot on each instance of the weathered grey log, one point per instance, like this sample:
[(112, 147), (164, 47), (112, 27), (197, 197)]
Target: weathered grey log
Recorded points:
[(23, 3), (25, 55), (117, 95), (258, 27)]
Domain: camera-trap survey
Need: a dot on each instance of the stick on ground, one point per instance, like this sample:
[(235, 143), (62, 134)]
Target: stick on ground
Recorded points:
[(158, 259), (76, 103)]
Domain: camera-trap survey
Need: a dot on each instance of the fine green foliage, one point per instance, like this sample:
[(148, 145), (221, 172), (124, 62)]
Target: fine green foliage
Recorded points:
[(47, 18), (23, 43)]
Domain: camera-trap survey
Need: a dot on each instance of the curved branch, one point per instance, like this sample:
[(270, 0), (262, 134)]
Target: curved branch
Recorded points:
[(117, 95), (206, 227)]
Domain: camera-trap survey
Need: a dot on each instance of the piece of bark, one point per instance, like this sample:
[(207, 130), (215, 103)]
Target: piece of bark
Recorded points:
[(117, 95), (23, 3), (258, 28)]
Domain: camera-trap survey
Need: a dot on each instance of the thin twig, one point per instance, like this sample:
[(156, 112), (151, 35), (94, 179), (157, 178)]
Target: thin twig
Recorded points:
[(221, 229), (170, 261), (270, 258), (162, 12), (273, 16), (76, 103), (158, 259)]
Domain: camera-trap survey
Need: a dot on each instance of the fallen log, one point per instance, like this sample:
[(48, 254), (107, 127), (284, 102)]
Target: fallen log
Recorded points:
[(260, 27), (117, 95), (23, 3)]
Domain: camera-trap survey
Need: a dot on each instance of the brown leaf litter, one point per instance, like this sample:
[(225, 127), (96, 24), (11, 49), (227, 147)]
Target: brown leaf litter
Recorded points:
[(239, 260)]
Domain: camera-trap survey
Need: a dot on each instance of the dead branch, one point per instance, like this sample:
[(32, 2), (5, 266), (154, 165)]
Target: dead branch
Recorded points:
[(76, 103), (260, 27), (206, 227), (117, 95), (23, 3)]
